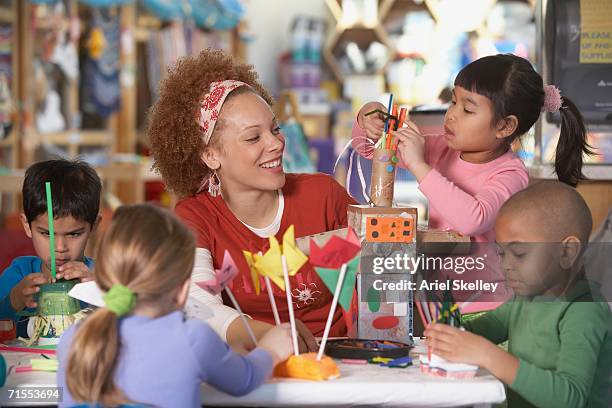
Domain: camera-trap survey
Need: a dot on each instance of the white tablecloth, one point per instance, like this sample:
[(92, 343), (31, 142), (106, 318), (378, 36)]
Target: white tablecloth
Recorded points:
[(358, 385), (369, 385)]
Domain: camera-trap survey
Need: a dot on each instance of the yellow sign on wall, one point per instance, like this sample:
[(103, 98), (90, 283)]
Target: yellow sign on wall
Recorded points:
[(596, 31)]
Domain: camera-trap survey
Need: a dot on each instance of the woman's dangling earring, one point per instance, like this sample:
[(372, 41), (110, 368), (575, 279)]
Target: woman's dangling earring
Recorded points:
[(214, 184)]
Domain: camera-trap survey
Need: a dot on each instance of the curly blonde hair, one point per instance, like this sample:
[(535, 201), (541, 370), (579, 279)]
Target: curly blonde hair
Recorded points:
[(172, 129)]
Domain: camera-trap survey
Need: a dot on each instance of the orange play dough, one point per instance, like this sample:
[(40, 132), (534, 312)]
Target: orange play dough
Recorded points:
[(307, 367)]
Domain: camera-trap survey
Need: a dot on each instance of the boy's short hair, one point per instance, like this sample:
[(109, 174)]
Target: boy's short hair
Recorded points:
[(558, 209), (75, 190)]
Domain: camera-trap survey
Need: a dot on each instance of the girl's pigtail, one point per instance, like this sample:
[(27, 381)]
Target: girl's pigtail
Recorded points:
[(572, 145), (92, 359)]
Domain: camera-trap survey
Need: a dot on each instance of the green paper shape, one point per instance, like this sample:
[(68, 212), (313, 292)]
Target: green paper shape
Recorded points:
[(373, 297), (51, 231), (39, 364), (330, 278)]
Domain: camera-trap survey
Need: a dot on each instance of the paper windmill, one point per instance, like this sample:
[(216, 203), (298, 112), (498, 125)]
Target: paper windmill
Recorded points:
[(336, 251), (327, 260), (270, 263), (330, 278), (222, 277), (254, 274)]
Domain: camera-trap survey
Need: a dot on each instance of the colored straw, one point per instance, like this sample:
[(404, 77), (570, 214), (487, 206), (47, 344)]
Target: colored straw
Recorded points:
[(395, 122), (388, 111), (420, 310), (389, 140), (426, 310), (402, 117), (51, 231)]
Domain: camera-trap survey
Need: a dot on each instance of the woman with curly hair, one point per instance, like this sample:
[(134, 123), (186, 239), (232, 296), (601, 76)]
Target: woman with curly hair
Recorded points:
[(217, 145)]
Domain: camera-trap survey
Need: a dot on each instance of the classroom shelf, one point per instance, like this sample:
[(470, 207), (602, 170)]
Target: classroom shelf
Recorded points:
[(8, 141), (7, 15), (77, 137)]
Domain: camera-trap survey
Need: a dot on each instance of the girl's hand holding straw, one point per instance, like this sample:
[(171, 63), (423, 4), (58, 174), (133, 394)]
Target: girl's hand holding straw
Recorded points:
[(411, 150), (372, 123)]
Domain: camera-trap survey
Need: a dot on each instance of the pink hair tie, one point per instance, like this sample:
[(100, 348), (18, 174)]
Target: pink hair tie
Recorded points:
[(552, 99)]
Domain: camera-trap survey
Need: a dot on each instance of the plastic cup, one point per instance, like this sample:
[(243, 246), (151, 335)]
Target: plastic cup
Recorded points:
[(55, 305)]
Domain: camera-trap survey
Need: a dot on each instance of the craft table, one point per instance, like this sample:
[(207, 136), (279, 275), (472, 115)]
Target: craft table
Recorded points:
[(359, 385)]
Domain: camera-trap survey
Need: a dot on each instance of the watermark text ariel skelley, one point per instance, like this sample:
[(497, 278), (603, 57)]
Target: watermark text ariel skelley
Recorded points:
[(436, 285)]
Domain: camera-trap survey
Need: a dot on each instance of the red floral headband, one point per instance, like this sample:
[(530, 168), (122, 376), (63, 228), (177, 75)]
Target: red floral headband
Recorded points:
[(212, 103)]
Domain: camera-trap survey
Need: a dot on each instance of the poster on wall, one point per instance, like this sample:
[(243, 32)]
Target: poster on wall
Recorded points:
[(596, 31)]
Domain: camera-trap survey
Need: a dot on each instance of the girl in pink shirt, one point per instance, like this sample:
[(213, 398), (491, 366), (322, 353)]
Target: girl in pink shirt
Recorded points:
[(469, 171)]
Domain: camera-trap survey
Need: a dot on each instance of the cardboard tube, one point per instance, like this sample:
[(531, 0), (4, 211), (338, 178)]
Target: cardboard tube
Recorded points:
[(383, 178)]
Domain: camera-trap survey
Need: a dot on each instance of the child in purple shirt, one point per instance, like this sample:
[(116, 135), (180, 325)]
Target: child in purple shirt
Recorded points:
[(140, 348)]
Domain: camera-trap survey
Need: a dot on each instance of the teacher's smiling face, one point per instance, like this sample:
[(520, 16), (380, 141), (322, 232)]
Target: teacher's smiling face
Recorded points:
[(247, 145)]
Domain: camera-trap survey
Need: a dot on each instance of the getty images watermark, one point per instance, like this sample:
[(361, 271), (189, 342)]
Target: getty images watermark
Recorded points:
[(396, 273), (491, 271)]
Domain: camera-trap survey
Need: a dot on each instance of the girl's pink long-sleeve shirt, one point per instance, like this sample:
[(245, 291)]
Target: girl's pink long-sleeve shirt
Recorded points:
[(463, 197)]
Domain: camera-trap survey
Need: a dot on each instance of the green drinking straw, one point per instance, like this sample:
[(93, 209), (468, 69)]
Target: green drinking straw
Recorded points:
[(51, 232)]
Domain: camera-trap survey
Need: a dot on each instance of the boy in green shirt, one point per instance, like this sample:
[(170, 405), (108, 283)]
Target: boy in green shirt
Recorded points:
[(559, 335)]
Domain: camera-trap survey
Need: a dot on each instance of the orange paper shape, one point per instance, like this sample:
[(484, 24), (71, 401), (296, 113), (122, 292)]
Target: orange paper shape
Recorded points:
[(307, 367), (390, 229), (335, 252)]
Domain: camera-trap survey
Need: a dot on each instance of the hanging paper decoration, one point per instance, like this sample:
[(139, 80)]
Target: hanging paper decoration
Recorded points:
[(210, 14), (167, 10), (217, 14), (230, 15), (96, 43), (6, 107), (106, 3), (296, 156), (102, 89)]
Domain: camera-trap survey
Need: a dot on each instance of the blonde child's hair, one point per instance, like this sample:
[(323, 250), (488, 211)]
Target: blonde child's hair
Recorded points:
[(149, 251)]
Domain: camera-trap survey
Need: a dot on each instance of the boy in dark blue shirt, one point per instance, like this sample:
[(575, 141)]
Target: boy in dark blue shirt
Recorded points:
[(76, 191)]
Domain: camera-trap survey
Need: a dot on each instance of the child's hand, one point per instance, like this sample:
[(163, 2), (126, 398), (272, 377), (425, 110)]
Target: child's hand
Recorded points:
[(23, 294), (458, 346), (277, 342), (74, 270), (373, 124), (411, 145), (411, 150)]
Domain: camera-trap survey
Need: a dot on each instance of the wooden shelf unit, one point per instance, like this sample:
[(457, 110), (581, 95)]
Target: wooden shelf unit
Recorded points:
[(10, 145), (120, 135)]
